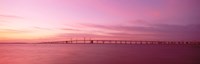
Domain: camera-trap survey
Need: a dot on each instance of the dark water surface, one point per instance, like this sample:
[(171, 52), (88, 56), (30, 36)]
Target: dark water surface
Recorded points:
[(98, 54)]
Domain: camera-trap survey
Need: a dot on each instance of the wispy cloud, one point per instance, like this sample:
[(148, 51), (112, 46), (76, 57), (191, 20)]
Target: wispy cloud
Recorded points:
[(4, 18), (69, 29), (12, 31), (10, 16), (167, 31), (41, 28)]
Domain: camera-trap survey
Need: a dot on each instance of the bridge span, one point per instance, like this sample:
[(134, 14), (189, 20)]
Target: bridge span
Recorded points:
[(124, 42)]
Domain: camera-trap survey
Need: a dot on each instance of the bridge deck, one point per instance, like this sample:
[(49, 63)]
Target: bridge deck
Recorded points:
[(124, 42)]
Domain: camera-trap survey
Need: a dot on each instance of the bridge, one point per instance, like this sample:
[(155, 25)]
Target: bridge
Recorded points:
[(124, 42)]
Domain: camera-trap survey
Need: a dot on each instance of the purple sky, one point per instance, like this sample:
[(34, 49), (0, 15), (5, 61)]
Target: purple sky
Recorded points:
[(45, 20)]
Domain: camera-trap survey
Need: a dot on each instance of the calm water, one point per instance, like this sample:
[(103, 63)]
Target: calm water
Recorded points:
[(98, 54)]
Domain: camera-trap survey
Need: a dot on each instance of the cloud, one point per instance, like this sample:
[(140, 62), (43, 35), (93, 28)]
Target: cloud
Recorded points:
[(165, 31), (4, 17), (10, 16), (97, 26), (12, 31), (41, 28), (69, 29)]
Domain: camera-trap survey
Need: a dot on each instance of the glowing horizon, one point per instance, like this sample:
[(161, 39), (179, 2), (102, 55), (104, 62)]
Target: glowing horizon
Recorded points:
[(51, 20)]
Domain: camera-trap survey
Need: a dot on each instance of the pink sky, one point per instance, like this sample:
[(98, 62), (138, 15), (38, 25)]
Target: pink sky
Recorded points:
[(50, 20)]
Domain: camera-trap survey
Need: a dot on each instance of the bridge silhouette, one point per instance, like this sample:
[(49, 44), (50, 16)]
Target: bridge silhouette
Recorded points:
[(124, 42)]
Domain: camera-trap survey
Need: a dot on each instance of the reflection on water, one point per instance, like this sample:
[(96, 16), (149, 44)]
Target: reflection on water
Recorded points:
[(98, 54)]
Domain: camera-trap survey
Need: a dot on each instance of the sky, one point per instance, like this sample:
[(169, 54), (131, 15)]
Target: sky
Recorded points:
[(56, 20)]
